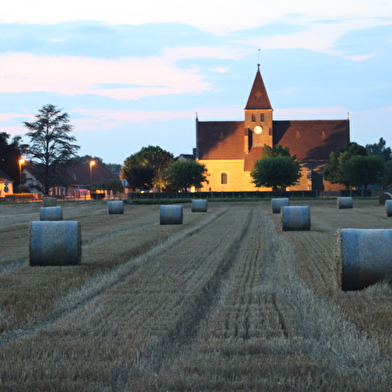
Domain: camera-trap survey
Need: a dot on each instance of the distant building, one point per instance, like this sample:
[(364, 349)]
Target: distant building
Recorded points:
[(6, 184), (229, 149), (78, 177)]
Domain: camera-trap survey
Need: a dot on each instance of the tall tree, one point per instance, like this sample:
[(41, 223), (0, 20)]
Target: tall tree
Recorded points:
[(152, 156), (10, 153), (51, 147), (182, 175), (364, 170), (380, 150), (334, 171)]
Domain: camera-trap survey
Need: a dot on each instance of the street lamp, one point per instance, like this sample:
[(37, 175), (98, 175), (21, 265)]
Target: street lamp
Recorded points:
[(92, 163), (21, 162)]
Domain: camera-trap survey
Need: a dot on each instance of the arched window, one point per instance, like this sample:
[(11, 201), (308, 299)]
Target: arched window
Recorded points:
[(262, 117), (253, 117), (223, 178)]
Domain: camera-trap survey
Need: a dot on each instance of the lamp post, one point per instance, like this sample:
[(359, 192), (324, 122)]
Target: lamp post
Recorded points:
[(21, 162), (92, 163)]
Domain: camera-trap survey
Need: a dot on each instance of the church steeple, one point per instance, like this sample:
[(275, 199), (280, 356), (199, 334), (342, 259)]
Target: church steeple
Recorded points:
[(258, 116), (258, 97)]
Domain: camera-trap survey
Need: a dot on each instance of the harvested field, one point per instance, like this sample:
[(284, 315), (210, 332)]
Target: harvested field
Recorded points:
[(225, 301)]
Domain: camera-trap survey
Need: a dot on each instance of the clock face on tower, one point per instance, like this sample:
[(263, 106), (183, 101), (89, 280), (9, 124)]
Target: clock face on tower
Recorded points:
[(258, 129)]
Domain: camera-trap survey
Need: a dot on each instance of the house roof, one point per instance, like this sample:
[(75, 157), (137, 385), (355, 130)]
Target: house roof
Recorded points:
[(5, 176), (258, 97), (80, 173)]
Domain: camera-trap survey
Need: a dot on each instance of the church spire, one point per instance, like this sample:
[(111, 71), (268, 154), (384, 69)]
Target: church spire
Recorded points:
[(258, 97)]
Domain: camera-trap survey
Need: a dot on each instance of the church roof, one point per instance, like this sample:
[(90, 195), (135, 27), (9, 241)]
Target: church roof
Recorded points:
[(311, 139), (220, 139), (307, 139), (258, 97), (254, 154)]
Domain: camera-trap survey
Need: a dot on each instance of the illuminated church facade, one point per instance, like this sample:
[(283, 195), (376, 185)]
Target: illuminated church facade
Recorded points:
[(229, 149)]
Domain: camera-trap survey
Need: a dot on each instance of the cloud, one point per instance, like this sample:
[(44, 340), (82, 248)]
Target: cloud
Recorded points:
[(80, 75)]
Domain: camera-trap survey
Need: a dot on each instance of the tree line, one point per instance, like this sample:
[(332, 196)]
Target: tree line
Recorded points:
[(52, 149)]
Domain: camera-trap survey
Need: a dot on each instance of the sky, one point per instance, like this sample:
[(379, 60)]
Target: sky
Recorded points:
[(132, 74)]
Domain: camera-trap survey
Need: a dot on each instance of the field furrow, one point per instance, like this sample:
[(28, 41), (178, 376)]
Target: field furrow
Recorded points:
[(226, 301), (158, 308)]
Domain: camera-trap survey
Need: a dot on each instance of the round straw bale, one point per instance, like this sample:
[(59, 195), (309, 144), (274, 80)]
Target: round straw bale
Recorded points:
[(115, 207), (170, 215), (363, 257), (199, 205), (388, 207), (55, 243), (276, 204), (383, 197), (295, 218), (49, 202), (345, 202), (50, 213)]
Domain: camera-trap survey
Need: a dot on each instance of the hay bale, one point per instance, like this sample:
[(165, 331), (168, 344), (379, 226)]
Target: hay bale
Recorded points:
[(363, 257), (51, 214), (388, 207), (55, 243), (49, 202), (345, 202), (295, 218), (115, 207), (276, 204), (170, 215), (199, 205), (384, 197)]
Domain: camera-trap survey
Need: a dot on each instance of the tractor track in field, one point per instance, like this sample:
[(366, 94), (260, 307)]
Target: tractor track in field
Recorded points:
[(98, 285)]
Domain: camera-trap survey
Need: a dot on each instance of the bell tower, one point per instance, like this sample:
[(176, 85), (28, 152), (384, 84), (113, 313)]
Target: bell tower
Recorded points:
[(258, 116)]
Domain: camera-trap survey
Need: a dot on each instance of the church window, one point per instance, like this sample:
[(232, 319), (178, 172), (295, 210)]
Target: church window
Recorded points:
[(253, 117), (223, 178), (262, 117)]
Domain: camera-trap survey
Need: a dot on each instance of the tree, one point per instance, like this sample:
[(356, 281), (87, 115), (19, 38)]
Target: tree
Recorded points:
[(10, 153), (113, 167), (276, 151), (334, 171), (51, 146), (88, 158), (380, 150), (276, 172), (182, 175), (364, 170), (152, 156), (139, 177)]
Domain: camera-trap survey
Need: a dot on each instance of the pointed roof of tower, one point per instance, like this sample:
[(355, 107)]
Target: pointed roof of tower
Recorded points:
[(258, 97)]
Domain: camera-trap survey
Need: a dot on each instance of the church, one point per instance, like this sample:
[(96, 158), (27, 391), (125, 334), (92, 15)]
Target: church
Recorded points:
[(229, 149)]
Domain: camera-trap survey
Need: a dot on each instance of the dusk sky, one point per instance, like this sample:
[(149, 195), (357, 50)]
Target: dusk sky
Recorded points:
[(132, 74)]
